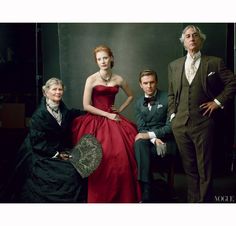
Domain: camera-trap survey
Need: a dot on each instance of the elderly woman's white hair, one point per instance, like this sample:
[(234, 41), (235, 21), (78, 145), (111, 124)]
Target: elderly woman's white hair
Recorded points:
[(50, 82), (196, 29)]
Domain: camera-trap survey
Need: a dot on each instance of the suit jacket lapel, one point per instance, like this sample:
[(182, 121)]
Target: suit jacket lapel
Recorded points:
[(203, 71), (179, 71)]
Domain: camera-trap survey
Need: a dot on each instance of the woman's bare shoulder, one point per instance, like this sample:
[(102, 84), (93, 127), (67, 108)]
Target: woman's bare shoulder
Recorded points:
[(92, 78), (118, 78)]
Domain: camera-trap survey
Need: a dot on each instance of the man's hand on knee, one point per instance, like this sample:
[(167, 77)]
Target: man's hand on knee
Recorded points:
[(144, 136)]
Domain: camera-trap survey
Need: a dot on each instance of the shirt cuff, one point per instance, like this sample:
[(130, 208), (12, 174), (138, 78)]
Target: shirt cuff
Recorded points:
[(151, 135), (218, 103), (153, 140)]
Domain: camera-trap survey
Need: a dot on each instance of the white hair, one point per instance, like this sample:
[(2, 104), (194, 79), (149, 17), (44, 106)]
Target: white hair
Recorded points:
[(196, 29), (50, 82)]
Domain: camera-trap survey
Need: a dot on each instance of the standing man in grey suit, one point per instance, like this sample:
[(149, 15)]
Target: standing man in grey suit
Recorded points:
[(153, 126), (199, 85)]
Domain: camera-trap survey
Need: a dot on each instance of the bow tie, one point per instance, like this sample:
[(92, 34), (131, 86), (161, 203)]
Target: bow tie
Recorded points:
[(148, 100)]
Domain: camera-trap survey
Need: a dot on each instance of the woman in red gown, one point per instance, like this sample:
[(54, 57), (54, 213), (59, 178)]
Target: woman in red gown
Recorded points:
[(115, 180)]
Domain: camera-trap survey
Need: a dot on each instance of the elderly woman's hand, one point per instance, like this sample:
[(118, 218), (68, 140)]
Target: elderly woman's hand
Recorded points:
[(64, 155)]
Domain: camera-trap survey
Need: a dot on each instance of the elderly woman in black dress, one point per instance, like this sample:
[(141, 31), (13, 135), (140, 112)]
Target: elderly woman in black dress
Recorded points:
[(49, 176)]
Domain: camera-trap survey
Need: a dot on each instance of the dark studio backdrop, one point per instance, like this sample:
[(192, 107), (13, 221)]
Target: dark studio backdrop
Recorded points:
[(68, 51), (31, 53)]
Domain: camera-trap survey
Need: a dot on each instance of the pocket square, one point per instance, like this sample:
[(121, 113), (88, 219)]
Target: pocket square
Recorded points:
[(159, 106), (211, 73)]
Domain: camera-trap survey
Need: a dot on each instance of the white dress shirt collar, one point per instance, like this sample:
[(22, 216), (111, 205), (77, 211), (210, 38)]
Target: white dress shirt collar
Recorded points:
[(195, 56)]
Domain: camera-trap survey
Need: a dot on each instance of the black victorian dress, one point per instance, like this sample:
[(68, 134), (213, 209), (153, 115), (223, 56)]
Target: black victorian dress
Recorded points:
[(38, 176)]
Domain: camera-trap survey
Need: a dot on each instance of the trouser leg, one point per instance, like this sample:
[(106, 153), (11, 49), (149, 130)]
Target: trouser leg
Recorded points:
[(143, 158), (195, 146)]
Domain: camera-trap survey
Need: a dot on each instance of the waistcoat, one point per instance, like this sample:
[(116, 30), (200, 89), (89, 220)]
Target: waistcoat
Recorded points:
[(191, 97)]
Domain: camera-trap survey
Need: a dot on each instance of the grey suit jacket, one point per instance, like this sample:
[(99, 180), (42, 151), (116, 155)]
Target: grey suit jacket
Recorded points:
[(209, 66)]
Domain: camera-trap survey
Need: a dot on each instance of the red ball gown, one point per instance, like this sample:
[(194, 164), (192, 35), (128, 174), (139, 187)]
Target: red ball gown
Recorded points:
[(115, 180)]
